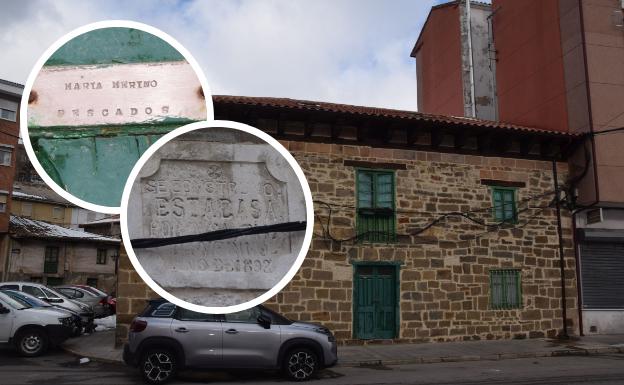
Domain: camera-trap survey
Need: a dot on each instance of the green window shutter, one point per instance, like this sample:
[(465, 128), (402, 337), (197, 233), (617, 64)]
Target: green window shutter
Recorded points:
[(375, 206), (50, 264), (504, 203), (505, 289), (101, 257), (365, 190), (496, 291)]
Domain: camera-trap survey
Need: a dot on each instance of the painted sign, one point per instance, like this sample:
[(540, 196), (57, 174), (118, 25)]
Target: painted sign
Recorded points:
[(115, 94)]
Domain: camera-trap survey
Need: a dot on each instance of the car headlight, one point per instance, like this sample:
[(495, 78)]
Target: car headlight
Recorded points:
[(327, 332), (65, 321)]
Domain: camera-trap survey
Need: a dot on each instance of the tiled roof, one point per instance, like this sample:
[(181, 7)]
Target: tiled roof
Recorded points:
[(108, 219), (306, 105), (10, 83), (37, 192), (20, 227)]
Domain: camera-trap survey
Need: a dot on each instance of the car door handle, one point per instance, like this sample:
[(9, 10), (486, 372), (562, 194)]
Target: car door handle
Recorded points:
[(182, 330), (231, 331)]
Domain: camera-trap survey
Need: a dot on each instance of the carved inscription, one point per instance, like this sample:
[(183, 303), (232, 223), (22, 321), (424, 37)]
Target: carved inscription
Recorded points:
[(192, 197), (119, 94)]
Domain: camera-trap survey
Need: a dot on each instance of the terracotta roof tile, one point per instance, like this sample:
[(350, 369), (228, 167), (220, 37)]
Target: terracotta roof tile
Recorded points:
[(303, 105)]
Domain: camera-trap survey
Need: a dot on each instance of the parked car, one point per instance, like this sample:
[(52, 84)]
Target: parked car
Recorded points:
[(110, 298), (97, 302), (165, 338), (54, 297), (31, 331), (92, 289), (35, 302)]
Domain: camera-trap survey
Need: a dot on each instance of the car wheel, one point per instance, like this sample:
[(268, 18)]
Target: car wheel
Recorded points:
[(157, 366), (76, 330), (31, 342), (300, 364)]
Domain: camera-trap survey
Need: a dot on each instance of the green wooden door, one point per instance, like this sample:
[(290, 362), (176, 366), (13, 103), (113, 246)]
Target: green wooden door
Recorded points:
[(375, 301)]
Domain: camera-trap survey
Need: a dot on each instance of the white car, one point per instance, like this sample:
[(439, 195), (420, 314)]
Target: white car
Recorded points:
[(53, 297), (31, 330)]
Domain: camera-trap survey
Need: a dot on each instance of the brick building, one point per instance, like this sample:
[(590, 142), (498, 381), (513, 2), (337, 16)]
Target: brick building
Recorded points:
[(10, 95), (428, 228)]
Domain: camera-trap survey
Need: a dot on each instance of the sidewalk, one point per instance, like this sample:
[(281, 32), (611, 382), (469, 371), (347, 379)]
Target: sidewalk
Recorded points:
[(99, 346)]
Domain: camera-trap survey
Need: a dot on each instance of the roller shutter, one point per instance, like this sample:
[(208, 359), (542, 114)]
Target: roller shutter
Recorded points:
[(602, 274)]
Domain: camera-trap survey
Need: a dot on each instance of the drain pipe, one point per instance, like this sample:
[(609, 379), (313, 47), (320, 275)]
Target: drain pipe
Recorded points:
[(473, 107), (564, 315), (577, 261)]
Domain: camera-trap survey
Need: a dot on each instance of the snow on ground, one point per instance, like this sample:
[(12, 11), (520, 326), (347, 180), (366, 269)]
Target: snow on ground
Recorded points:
[(105, 323)]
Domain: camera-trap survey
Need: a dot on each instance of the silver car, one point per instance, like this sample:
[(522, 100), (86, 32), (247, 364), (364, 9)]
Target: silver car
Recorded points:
[(165, 338), (97, 302)]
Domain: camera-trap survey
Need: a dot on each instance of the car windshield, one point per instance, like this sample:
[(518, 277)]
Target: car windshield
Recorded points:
[(93, 290), (51, 293), (14, 303), (32, 300)]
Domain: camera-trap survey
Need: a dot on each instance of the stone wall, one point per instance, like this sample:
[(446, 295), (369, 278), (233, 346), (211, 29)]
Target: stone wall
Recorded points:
[(132, 296), (77, 263), (444, 273), (444, 281)]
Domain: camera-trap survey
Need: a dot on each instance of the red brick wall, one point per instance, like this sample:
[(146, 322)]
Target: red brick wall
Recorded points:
[(8, 135), (438, 64), (529, 70)]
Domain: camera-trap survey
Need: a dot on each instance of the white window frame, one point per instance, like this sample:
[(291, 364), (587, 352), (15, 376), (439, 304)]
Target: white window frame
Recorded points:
[(12, 119), (6, 150), (59, 210), (23, 212)]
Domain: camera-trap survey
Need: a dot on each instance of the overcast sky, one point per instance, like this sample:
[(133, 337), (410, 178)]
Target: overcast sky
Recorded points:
[(345, 51)]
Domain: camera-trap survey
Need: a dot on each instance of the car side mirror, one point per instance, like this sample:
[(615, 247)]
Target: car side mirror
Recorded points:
[(264, 321), (55, 300), (4, 310)]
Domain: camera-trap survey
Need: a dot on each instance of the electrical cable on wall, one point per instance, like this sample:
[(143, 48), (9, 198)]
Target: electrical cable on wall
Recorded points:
[(217, 235), (492, 227)]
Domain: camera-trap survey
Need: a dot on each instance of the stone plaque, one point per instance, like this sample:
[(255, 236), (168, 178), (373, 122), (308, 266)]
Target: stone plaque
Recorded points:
[(90, 95), (193, 186)]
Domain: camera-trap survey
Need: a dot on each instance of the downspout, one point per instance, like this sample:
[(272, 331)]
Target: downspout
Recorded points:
[(564, 315), (577, 261), (594, 166), (7, 259), (589, 106), (473, 107)]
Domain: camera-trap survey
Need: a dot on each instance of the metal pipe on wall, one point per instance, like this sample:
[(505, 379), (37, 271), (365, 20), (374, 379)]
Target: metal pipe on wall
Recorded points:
[(564, 314), (473, 107)]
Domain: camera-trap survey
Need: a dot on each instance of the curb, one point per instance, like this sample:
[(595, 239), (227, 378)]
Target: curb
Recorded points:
[(489, 357), (428, 360), (91, 357)]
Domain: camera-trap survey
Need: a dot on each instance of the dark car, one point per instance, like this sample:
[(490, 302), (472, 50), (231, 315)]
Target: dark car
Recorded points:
[(165, 338), (76, 320)]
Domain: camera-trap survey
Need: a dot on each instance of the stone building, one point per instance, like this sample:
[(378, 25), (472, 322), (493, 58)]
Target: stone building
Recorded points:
[(428, 228), (54, 255), (558, 78)]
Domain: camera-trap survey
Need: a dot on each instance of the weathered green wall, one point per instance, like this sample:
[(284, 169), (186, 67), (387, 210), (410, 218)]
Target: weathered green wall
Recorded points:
[(93, 162)]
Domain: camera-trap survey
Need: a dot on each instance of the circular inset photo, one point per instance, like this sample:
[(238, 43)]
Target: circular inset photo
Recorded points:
[(98, 98), (217, 217)]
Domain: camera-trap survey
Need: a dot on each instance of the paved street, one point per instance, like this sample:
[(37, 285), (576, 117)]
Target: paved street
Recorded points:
[(59, 368)]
